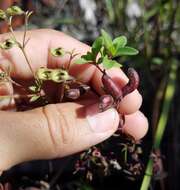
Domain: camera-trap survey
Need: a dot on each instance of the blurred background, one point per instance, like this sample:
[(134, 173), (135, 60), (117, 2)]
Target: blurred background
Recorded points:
[(152, 27)]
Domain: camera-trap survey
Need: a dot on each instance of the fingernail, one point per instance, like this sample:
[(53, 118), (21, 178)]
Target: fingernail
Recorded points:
[(100, 122)]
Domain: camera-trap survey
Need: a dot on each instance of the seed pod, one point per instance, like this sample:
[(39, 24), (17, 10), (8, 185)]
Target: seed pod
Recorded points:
[(14, 10), (43, 73), (111, 88), (133, 82), (59, 75), (72, 93), (84, 88), (106, 102), (75, 93)]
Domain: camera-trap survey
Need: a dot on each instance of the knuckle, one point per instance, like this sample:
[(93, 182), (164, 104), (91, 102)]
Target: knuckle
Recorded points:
[(60, 126)]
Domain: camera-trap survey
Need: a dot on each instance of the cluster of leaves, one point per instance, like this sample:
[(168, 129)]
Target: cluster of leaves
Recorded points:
[(105, 51)]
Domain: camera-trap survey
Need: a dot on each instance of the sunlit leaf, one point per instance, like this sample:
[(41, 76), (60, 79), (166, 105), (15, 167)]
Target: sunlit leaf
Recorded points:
[(108, 44), (80, 61), (108, 63), (126, 51), (120, 41), (96, 46), (88, 57)]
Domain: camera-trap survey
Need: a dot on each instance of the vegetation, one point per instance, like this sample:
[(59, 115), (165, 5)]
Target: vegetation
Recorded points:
[(150, 26)]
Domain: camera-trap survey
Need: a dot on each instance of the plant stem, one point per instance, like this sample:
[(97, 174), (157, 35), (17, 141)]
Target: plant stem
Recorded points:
[(169, 93), (25, 31), (99, 68), (27, 60), (21, 46)]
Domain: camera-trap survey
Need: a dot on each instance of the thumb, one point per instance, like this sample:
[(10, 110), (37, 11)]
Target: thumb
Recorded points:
[(53, 131)]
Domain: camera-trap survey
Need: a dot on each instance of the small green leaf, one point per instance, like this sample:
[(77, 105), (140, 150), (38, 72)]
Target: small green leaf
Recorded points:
[(108, 44), (2, 14), (96, 46), (120, 41), (108, 63), (8, 44), (34, 98), (14, 10), (89, 56), (80, 61), (57, 52), (126, 51)]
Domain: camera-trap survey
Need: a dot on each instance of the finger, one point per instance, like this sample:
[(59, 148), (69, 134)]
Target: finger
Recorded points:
[(88, 73), (53, 131), (43, 41), (136, 125), (130, 103)]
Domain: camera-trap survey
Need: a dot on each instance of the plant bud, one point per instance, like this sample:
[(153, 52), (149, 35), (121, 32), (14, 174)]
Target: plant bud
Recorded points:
[(110, 87), (72, 93), (133, 82), (106, 102)]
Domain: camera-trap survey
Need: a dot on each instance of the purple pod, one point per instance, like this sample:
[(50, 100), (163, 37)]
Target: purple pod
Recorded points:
[(72, 93), (133, 82), (105, 102), (111, 87)]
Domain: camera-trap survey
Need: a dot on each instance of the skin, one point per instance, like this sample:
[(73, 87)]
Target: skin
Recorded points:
[(61, 129)]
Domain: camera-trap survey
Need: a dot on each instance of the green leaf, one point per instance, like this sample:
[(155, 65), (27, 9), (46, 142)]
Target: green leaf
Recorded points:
[(34, 98), (97, 45), (89, 56), (108, 63), (57, 52), (119, 42), (14, 10), (108, 44), (126, 51), (80, 61)]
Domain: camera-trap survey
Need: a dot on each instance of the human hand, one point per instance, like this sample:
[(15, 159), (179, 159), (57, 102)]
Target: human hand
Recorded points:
[(58, 130)]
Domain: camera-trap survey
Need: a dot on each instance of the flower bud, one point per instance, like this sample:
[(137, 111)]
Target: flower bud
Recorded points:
[(72, 93), (106, 102)]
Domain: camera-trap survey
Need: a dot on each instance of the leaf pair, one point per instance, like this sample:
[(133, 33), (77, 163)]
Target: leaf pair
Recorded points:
[(117, 47)]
